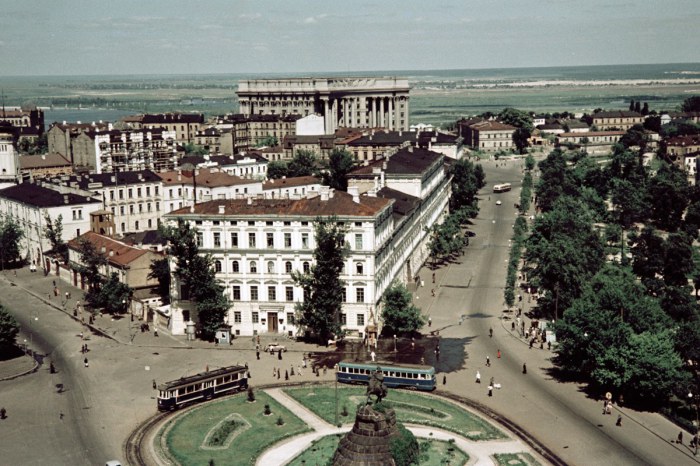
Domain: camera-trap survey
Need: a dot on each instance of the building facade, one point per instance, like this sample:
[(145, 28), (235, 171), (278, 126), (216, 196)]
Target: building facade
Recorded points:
[(352, 102), (617, 120)]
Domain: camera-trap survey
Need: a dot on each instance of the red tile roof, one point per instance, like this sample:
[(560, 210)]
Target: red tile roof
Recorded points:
[(123, 253), (291, 182), (205, 177)]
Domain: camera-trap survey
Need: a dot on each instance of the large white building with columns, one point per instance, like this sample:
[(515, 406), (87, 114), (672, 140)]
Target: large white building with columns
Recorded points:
[(342, 102)]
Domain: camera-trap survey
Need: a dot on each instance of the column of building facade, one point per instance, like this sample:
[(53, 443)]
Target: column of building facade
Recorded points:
[(381, 112), (336, 103), (326, 116), (406, 113), (390, 114)]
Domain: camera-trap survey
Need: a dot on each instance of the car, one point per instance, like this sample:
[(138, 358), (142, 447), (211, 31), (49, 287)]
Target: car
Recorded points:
[(498, 202), (275, 347)]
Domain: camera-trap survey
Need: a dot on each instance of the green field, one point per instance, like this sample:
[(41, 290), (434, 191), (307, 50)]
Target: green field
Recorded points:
[(433, 453), (410, 407), (190, 437)]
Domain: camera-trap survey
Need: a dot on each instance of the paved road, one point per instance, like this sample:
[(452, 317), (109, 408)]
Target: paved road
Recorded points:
[(559, 414)]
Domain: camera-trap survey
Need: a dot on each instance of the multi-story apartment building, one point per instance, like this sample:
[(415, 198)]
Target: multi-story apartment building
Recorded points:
[(30, 203), (29, 120), (291, 188), (621, 120), (134, 197), (9, 157), (250, 166), (44, 165), (342, 101), (60, 138), (182, 188), (486, 135), (256, 244), (249, 131), (183, 125), (321, 145), (376, 145), (593, 141)]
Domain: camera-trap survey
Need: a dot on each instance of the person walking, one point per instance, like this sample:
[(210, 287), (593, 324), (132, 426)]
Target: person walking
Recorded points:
[(86, 362), (154, 384), (372, 355), (499, 354), (257, 354), (680, 438), (488, 362), (478, 377), (279, 354), (444, 379), (490, 332), (619, 420), (524, 368), (490, 390)]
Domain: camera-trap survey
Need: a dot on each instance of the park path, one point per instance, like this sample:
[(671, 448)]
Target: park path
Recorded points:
[(479, 451)]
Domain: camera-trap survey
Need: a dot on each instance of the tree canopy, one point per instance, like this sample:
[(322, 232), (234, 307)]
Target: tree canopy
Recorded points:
[(9, 328), (340, 163), (399, 314), (53, 231), (11, 236), (322, 286), (303, 164)]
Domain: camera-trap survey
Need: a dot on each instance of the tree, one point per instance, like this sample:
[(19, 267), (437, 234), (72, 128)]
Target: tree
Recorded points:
[(635, 136), (648, 259), (691, 104), (529, 162), (637, 107), (653, 123), (160, 270), (303, 164), (466, 182), (522, 121), (11, 236), (267, 141), (91, 260), (323, 289), (114, 296), (9, 328), (340, 163), (399, 314), (277, 169), (632, 105), (194, 149), (678, 259), (54, 233), (197, 277), (645, 109), (668, 197)]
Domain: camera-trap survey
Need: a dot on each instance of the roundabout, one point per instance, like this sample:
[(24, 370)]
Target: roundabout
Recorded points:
[(296, 423)]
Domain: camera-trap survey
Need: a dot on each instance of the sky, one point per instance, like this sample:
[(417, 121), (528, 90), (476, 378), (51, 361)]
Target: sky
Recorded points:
[(97, 37)]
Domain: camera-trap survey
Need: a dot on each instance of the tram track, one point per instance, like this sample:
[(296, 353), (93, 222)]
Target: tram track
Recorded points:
[(134, 446)]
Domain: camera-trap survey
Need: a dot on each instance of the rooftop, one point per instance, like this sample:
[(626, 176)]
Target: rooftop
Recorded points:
[(116, 252), (39, 196), (205, 177), (290, 182)]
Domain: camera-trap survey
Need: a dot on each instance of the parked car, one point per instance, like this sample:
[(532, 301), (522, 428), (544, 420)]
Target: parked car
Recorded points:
[(275, 347), (498, 202)]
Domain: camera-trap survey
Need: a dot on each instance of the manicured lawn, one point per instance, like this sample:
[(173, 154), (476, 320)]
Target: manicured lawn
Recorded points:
[(410, 407), (516, 459), (433, 453), (187, 440)]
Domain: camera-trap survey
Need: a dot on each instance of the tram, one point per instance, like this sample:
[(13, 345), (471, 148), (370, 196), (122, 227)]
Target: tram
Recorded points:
[(501, 188), (404, 376), (202, 386)]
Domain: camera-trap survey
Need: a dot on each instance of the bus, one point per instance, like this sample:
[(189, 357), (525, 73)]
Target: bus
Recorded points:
[(501, 188), (404, 376), (202, 386)]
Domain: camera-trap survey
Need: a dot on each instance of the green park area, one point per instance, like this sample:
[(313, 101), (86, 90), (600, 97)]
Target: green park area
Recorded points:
[(231, 431), (515, 459), (410, 407), (432, 453)]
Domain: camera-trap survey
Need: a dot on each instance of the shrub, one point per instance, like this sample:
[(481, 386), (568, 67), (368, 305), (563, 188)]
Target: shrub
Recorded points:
[(267, 410), (344, 412), (251, 395), (404, 447), (280, 421)]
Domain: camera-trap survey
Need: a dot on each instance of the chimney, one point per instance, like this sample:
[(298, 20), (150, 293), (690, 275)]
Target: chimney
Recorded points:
[(222, 209), (65, 199), (410, 149), (354, 191), (191, 209), (113, 179), (249, 200), (325, 193), (43, 156), (103, 250), (111, 252)]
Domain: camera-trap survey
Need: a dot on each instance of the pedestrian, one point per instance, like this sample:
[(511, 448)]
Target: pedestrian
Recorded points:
[(430, 321), (155, 332), (492, 381), (279, 373), (257, 339), (257, 354), (248, 374), (292, 370), (52, 368), (512, 326), (478, 377), (154, 384), (274, 372), (619, 420), (286, 375), (372, 355), (605, 407), (432, 291), (444, 379), (3, 413), (299, 370), (55, 291), (524, 368), (532, 342), (549, 345), (303, 362), (279, 354), (499, 354), (680, 438), (60, 415), (86, 362), (488, 362), (490, 390), (433, 277)]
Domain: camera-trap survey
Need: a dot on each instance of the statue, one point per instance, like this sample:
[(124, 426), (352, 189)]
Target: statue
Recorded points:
[(376, 386)]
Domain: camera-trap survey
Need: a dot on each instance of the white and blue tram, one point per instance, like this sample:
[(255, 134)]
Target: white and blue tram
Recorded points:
[(202, 386), (405, 376)]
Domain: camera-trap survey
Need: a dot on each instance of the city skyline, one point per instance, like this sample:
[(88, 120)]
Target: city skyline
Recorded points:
[(175, 37)]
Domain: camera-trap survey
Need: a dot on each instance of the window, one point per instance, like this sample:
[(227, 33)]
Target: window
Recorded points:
[(360, 268), (148, 206), (360, 320), (150, 223), (200, 239), (358, 224), (345, 295), (235, 267), (253, 267), (121, 194), (270, 240), (289, 294), (131, 193), (131, 209), (157, 206), (148, 191), (343, 319), (288, 267), (236, 292), (251, 240), (305, 266), (136, 225), (287, 240), (234, 240), (360, 294), (305, 240), (111, 195), (290, 318), (358, 241), (270, 267), (155, 188), (217, 266), (256, 317), (121, 210), (138, 192), (237, 317), (271, 293), (217, 240), (254, 293)]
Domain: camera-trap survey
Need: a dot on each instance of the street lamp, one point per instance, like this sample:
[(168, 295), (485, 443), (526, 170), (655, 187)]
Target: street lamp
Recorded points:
[(394, 343)]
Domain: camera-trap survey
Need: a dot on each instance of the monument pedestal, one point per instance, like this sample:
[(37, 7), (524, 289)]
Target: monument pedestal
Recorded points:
[(368, 443)]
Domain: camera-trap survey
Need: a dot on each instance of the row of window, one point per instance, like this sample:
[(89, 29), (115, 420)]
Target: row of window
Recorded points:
[(253, 267), (132, 208), (130, 192), (288, 293), (291, 320), (269, 240)]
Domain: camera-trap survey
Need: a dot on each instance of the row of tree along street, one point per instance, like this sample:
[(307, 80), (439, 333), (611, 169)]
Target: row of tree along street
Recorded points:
[(612, 254)]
